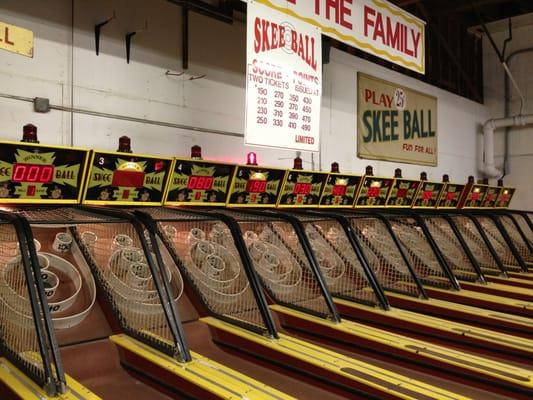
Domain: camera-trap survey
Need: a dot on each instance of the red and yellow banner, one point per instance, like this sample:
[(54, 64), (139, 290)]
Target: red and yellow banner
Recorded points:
[(375, 26)]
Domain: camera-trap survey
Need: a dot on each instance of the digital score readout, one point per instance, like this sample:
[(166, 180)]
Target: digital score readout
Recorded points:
[(340, 190), (475, 196), (126, 179), (255, 186), (491, 196), (402, 193), (428, 194), (374, 191), (199, 183), (451, 195), (34, 173), (302, 188), (505, 197), (27, 173)]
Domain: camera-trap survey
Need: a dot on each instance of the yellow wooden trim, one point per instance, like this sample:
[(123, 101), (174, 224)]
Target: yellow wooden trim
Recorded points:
[(525, 321), (518, 280), (216, 378), (121, 203), (45, 146), (26, 389), (204, 161), (441, 324), (337, 363), (281, 206), (326, 206), (128, 155), (470, 294), (479, 365), (251, 205), (168, 183), (192, 204), (88, 176), (37, 201), (509, 288)]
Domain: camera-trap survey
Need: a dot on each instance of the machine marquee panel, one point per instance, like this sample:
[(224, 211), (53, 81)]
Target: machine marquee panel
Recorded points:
[(340, 190), (489, 201), (374, 191), (34, 173), (428, 194), (402, 193), (451, 195), (254, 186), (475, 196), (302, 188), (505, 197), (199, 183), (126, 179)]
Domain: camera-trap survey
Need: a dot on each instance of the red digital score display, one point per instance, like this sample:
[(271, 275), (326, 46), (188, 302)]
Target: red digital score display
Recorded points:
[(402, 193), (33, 173), (255, 186), (427, 195), (128, 179), (339, 190), (200, 183), (450, 195), (373, 192), (475, 196), (302, 188)]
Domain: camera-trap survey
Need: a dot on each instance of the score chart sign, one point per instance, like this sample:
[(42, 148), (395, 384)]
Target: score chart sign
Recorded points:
[(283, 80)]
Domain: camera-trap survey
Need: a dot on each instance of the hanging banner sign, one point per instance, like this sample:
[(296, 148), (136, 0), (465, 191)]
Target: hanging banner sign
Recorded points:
[(283, 80), (375, 26), (395, 123), (16, 40)]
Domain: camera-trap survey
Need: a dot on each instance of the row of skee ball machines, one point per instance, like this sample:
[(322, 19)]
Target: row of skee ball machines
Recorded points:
[(129, 276)]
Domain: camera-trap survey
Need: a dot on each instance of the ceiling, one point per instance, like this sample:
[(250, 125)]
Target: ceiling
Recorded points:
[(470, 11)]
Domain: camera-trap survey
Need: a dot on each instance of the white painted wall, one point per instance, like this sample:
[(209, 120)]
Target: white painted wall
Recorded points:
[(141, 89), (520, 139)]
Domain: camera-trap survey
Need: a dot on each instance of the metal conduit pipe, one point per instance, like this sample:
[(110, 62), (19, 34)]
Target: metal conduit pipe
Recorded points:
[(126, 117), (489, 167), (507, 100)]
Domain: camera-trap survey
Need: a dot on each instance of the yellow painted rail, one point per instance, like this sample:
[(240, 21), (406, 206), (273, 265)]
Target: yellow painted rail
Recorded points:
[(211, 376), (349, 368), (26, 389)]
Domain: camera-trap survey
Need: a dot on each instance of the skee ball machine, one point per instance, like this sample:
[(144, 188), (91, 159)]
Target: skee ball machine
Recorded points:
[(133, 182), (361, 240), (339, 266), (72, 276), (211, 251), (46, 295), (430, 241)]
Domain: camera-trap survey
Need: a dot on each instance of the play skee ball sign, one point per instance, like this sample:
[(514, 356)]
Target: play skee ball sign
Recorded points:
[(284, 80), (395, 123)]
